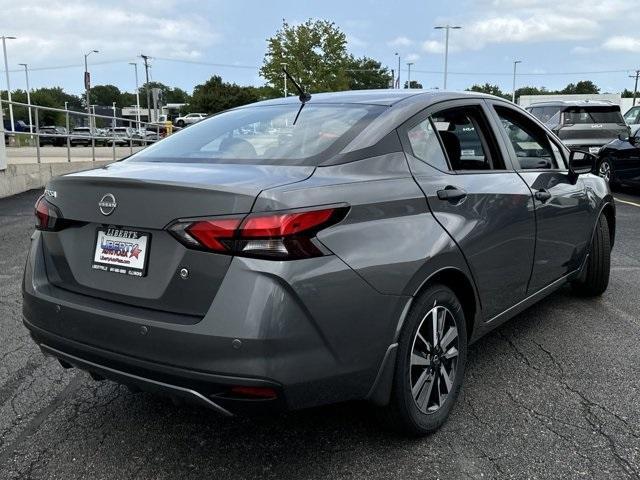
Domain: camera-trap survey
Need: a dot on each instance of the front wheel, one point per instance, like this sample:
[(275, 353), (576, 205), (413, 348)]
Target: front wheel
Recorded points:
[(432, 354), (605, 170), (180, 123), (594, 279)]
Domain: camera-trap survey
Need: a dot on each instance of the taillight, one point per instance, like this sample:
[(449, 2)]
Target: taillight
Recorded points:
[(283, 236), (48, 216)]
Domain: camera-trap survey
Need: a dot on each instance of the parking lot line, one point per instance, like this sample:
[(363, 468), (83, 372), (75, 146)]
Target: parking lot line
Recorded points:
[(627, 202)]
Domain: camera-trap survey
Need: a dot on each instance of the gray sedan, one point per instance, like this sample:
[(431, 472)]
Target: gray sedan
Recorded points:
[(299, 252)]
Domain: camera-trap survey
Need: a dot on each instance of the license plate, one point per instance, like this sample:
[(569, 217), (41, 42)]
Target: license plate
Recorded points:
[(121, 251), (594, 150)]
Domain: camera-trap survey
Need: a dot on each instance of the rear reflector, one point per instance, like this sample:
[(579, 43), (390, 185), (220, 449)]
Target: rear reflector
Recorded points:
[(284, 236), (254, 392)]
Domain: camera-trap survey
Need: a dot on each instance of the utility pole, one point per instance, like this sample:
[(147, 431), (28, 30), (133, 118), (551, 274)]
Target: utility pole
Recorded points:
[(398, 79), (409, 74), (515, 64), (446, 28), (87, 86), (635, 89), (135, 67), (146, 86), (284, 67), (26, 73), (6, 70)]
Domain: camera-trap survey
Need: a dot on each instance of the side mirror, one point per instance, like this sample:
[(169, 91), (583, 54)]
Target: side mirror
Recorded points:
[(581, 162), (624, 138)]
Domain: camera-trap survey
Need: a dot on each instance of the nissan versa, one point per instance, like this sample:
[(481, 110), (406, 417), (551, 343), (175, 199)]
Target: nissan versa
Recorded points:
[(299, 252)]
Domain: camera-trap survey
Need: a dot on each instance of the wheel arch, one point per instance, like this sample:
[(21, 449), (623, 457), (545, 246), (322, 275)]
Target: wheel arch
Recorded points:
[(609, 212)]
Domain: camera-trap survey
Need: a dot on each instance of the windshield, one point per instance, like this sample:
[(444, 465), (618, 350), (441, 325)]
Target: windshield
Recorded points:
[(292, 134), (593, 115)]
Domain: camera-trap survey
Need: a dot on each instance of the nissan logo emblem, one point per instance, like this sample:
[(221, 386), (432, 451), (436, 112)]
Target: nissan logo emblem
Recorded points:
[(107, 204)]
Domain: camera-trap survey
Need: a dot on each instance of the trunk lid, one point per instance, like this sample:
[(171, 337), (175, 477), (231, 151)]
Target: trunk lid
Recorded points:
[(149, 196)]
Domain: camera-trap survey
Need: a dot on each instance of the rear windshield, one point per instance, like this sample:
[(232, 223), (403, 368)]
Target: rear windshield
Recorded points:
[(292, 134), (593, 115), (544, 114)]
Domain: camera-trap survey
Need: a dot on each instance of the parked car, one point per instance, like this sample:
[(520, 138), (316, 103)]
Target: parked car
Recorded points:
[(356, 257), (18, 125), (632, 117), (120, 136), (619, 162), (189, 119), (82, 136), (53, 135), (582, 125)]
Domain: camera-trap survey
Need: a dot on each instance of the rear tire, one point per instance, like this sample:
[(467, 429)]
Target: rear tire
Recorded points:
[(594, 279), (180, 123), (605, 170), (427, 379)]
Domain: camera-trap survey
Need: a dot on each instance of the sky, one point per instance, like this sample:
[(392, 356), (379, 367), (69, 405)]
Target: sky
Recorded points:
[(189, 41)]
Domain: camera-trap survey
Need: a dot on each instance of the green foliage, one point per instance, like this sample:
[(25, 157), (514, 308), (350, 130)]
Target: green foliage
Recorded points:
[(216, 95), (414, 84), (315, 53), (169, 94), (105, 95), (490, 89), (367, 73), (582, 87)]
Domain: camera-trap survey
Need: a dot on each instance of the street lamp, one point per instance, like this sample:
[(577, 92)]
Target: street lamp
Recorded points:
[(87, 84), (6, 69), (135, 68), (409, 74), (398, 79), (515, 64), (446, 28), (26, 73)]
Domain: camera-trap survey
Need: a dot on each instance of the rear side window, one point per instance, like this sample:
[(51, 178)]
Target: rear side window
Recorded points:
[(530, 143), (291, 134), (586, 115), (466, 138), (426, 146)]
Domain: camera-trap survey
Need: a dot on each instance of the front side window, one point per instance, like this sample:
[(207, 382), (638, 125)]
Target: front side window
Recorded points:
[(631, 117), (291, 134), (530, 143)]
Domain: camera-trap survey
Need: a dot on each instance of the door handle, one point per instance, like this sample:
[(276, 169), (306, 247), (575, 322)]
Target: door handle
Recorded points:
[(451, 193), (542, 195)]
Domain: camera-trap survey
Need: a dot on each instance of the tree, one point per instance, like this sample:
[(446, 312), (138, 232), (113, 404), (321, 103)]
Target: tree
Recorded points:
[(414, 84), (216, 95), (169, 95), (315, 53), (105, 95), (45, 97), (367, 73), (490, 89), (584, 87)]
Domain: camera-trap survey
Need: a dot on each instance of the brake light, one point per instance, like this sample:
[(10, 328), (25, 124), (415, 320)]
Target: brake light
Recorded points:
[(48, 217), (283, 236)]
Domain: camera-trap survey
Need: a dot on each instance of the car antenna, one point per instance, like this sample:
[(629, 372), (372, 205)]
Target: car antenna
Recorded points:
[(304, 96)]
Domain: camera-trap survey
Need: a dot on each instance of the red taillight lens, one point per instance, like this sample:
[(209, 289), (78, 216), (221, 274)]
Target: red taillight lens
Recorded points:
[(48, 217), (264, 393), (284, 225), (284, 236), (214, 234)]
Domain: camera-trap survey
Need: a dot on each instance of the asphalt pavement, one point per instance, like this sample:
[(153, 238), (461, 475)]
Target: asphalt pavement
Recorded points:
[(554, 393)]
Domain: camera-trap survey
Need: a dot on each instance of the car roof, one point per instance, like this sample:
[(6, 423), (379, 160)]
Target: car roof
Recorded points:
[(384, 97)]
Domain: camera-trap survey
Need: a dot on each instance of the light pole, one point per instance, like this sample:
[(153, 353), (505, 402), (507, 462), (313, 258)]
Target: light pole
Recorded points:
[(135, 68), (87, 84), (515, 64), (6, 70), (409, 74), (446, 28), (284, 75), (398, 79), (26, 74)]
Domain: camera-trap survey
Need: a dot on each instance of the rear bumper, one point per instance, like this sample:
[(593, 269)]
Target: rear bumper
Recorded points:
[(313, 331)]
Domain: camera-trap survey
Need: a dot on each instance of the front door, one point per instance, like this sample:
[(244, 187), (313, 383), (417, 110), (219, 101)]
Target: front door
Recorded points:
[(563, 209), (485, 207)]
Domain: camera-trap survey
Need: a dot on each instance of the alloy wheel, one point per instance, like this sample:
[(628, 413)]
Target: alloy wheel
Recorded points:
[(434, 359), (605, 170)]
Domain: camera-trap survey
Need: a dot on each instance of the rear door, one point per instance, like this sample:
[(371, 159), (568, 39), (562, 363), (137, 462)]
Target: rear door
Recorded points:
[(564, 213), (484, 206)]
